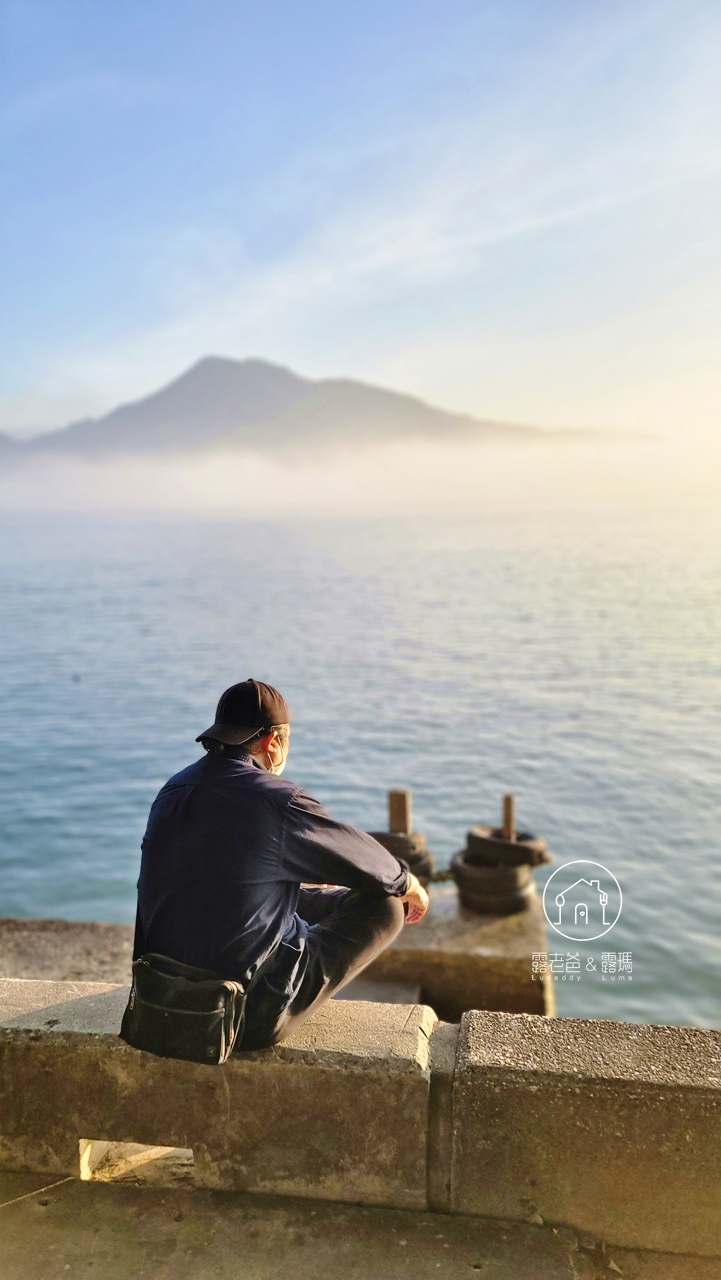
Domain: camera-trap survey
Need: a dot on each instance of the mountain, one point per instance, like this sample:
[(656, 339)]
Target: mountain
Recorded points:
[(250, 404), (339, 411), (8, 445), (211, 400)]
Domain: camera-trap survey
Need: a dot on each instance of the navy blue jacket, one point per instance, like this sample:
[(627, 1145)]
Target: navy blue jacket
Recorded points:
[(225, 851)]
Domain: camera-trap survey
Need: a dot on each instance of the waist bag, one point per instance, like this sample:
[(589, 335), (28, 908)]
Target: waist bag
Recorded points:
[(178, 1011)]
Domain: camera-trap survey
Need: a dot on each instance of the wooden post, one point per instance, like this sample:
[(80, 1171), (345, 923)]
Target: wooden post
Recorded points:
[(400, 812), (509, 818)]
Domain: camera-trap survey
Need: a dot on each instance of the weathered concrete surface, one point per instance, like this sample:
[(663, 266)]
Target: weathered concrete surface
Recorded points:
[(337, 1111), (65, 950), (337, 1034), (444, 1050), (466, 961), (381, 992), (123, 1233), (613, 1128), (634, 1265), (94, 1007)]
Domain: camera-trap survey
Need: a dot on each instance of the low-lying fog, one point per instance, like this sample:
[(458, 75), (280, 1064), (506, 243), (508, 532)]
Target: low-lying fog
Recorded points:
[(384, 479)]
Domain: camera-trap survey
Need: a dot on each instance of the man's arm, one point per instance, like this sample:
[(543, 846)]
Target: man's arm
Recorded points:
[(317, 849)]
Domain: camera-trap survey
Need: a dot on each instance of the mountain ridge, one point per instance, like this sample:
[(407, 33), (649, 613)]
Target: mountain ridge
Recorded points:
[(252, 404)]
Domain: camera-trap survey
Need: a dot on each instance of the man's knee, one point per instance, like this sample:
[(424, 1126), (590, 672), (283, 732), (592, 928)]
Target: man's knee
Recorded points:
[(388, 914), (398, 911)]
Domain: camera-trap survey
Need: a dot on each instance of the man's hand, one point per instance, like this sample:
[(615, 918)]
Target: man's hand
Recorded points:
[(417, 900)]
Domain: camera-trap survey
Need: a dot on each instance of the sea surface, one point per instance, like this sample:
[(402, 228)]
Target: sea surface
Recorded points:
[(574, 659)]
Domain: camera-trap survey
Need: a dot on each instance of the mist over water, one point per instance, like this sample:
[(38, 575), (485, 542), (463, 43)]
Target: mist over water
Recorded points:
[(393, 478), (572, 657)]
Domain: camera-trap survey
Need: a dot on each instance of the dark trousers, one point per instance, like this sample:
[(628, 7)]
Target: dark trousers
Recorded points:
[(348, 929)]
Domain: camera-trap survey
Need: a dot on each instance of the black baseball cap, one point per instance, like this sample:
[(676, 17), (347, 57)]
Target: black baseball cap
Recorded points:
[(245, 710)]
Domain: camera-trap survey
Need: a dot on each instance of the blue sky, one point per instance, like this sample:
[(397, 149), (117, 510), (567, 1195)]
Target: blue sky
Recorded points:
[(507, 208)]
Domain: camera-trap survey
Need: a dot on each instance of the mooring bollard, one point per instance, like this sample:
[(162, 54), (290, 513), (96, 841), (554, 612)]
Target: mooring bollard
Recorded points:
[(400, 838), (400, 812), (509, 818), (493, 872)]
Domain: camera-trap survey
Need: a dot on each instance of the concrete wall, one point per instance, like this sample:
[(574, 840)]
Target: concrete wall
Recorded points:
[(340, 1112), (612, 1128)]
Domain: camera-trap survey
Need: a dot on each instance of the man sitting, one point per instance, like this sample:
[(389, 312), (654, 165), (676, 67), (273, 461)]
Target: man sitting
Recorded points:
[(235, 868)]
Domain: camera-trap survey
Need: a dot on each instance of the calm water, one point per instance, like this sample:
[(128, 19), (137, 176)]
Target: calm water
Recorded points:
[(572, 659)]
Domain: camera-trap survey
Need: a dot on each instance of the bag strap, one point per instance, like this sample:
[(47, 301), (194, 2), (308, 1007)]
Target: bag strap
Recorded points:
[(174, 968)]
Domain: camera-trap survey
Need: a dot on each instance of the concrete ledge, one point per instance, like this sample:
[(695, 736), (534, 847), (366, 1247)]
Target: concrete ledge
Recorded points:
[(613, 1128), (338, 1112), (65, 950), (463, 960), (342, 1034), (93, 1007)]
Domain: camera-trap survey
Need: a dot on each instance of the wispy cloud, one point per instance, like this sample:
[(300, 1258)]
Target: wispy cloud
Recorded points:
[(42, 105)]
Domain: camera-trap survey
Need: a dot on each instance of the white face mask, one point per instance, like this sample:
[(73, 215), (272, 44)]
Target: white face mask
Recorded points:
[(277, 769)]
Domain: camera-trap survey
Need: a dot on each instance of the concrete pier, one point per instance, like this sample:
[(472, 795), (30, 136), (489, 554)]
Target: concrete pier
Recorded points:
[(464, 961)]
